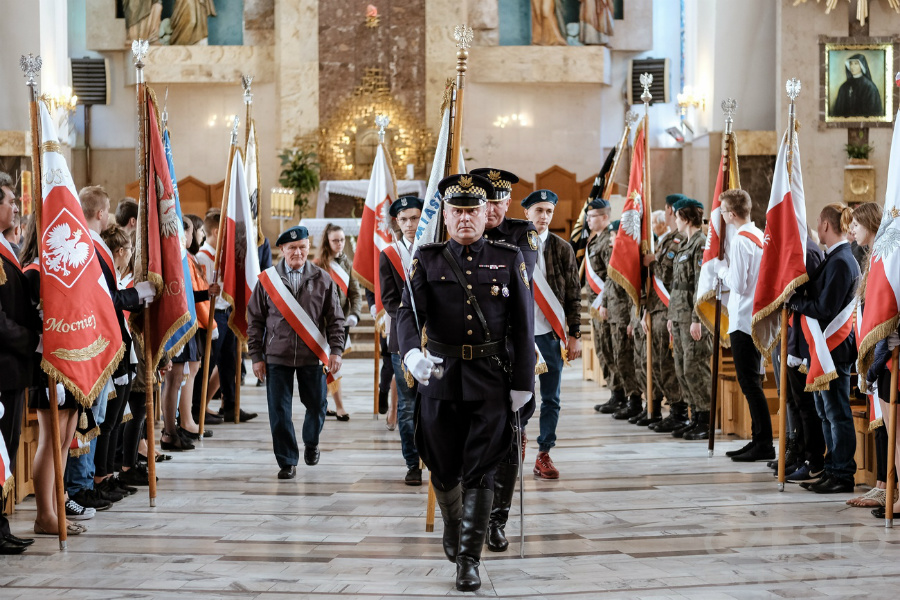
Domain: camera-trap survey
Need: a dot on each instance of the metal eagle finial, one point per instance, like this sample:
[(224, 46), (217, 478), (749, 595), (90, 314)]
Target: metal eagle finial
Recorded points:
[(646, 82), (31, 66), (246, 80), (792, 87), (729, 106), (382, 121), (234, 129), (631, 118), (139, 49), (463, 35)]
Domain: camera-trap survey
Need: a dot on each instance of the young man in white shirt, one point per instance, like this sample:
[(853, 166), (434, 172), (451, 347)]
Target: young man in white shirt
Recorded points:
[(740, 274)]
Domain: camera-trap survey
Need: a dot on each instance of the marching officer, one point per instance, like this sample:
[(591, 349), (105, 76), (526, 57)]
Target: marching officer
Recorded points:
[(470, 299)]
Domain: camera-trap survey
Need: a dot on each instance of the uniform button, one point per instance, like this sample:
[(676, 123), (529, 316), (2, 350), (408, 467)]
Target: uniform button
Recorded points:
[(469, 286), (468, 272), (469, 317), (493, 280), (468, 258), (469, 332), (442, 277)]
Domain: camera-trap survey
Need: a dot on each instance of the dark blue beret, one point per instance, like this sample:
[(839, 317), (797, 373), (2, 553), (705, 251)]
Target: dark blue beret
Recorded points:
[(294, 234), (540, 196), (404, 203), (597, 203), (687, 203)]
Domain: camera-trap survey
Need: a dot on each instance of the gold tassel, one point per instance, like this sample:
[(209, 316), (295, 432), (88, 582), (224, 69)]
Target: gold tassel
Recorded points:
[(873, 425), (540, 368), (8, 484), (83, 420), (2, 275)]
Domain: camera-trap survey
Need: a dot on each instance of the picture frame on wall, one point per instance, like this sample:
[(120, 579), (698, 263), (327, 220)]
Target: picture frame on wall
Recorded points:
[(857, 83)]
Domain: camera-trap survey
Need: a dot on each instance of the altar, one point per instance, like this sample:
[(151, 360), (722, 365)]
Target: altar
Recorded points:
[(357, 188)]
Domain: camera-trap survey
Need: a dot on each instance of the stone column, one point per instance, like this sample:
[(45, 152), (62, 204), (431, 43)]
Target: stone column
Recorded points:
[(441, 17), (296, 68)]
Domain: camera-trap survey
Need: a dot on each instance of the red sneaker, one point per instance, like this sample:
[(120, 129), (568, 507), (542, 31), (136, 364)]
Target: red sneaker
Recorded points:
[(543, 467)]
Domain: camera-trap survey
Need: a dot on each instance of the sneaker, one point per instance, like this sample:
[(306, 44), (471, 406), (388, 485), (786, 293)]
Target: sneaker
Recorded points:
[(134, 476), (76, 512), (91, 499), (118, 485), (108, 492), (804, 473), (543, 467)]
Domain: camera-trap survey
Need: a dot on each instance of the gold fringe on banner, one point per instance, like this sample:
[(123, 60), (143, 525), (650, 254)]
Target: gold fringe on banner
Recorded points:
[(7, 485), (873, 425)]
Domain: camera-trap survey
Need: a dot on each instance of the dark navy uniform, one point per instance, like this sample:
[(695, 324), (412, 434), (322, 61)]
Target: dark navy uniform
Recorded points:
[(520, 233)]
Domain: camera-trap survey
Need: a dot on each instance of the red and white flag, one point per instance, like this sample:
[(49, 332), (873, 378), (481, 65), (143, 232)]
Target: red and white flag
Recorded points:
[(783, 266), (631, 242), (240, 257), (82, 340), (880, 314), (821, 366), (596, 284), (375, 229)]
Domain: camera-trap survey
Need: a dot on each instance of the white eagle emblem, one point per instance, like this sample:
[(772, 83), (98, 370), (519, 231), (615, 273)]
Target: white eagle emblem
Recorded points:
[(887, 242), (169, 224), (631, 219), (65, 250)]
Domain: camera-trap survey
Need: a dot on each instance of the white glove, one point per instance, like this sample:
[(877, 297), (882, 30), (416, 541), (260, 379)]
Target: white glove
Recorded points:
[(60, 394), (373, 311), (215, 333), (40, 346), (145, 290), (519, 399), (352, 321), (421, 366), (794, 361)]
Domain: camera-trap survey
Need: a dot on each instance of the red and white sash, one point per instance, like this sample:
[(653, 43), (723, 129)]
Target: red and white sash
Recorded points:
[(340, 276), (104, 253), (297, 317), (661, 290), (207, 253), (821, 365), (751, 235), (8, 254), (547, 301), (394, 256), (595, 283)]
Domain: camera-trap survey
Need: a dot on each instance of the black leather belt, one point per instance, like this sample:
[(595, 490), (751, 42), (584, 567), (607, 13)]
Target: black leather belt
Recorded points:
[(467, 351)]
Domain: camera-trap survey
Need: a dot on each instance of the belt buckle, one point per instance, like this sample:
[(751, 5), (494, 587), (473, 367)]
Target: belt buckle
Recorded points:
[(467, 352)]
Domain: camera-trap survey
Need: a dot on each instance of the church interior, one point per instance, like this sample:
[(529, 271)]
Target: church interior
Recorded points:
[(548, 84)]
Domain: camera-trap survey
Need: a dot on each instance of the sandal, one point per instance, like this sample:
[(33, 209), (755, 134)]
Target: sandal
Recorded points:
[(178, 443), (71, 529), (330, 413), (873, 498)]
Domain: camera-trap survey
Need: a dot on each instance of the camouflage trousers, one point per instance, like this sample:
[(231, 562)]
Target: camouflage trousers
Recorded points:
[(603, 348), (692, 364), (664, 378), (623, 353)]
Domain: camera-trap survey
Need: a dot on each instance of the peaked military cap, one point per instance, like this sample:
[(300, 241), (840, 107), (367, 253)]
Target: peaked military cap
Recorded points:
[(597, 203), (500, 179), (294, 234), (465, 191), (671, 199), (403, 203), (540, 196), (614, 226), (687, 203)]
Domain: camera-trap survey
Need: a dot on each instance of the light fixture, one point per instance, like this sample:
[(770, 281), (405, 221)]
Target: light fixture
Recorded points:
[(688, 98), (63, 99), (503, 121)]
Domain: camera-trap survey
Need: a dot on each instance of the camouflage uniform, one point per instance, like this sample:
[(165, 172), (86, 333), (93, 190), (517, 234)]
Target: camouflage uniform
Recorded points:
[(664, 378), (598, 251), (617, 301), (690, 355)]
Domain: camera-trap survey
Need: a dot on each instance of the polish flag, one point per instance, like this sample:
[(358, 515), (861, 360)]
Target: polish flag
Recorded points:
[(821, 367), (783, 266), (880, 315), (375, 229), (240, 259)]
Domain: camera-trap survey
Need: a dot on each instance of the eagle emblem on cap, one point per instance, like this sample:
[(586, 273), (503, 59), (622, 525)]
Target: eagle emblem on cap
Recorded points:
[(494, 175), (293, 235), (465, 182), (403, 202), (543, 195)]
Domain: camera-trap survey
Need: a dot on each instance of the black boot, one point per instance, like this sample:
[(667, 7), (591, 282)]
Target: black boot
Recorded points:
[(451, 511), (677, 417), (382, 402), (638, 417), (472, 530), (631, 408), (701, 430), (687, 426), (504, 489), (647, 421), (616, 401)]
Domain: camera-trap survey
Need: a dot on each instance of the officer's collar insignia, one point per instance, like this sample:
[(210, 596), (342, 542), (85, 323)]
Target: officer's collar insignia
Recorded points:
[(543, 195), (465, 182), (524, 274)]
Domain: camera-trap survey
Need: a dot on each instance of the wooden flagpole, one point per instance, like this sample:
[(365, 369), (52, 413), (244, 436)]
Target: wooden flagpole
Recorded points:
[(890, 495), (793, 90), (31, 66), (139, 50), (215, 278), (646, 97)]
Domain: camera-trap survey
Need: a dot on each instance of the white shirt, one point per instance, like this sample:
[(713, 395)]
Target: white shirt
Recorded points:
[(209, 265), (740, 275), (830, 249), (541, 324)]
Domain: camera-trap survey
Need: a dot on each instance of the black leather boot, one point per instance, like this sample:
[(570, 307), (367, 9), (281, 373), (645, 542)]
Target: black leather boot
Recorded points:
[(700, 431), (677, 418), (504, 490), (647, 420), (616, 402), (451, 512), (472, 530), (382, 402), (631, 408), (638, 417), (687, 426)]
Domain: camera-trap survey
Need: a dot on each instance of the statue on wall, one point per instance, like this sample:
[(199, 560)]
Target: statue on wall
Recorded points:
[(189, 21), (596, 18), (142, 18), (546, 16)]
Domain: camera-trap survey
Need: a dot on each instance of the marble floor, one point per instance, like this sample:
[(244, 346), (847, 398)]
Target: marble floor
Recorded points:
[(634, 515)]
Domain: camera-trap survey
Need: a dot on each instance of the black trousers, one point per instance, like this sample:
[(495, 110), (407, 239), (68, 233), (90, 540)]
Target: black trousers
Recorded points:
[(110, 429), (463, 441), (387, 368), (813, 438), (133, 430), (746, 365), (11, 427)]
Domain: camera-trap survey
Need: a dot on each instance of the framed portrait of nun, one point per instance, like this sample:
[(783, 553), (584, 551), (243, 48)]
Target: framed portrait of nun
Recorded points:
[(858, 82)]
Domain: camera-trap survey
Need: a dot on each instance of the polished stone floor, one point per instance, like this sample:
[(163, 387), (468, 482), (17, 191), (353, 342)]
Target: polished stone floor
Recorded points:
[(634, 515)]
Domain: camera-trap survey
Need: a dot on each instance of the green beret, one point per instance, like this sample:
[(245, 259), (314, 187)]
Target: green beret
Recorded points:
[(671, 199), (687, 203), (614, 226)]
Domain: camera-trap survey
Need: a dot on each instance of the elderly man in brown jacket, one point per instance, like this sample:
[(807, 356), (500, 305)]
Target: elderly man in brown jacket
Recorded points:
[(295, 327)]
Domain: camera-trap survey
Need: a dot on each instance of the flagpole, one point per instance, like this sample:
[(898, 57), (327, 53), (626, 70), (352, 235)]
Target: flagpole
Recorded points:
[(246, 80), (223, 215), (463, 35), (892, 444), (793, 90), (31, 66), (729, 105), (646, 97)]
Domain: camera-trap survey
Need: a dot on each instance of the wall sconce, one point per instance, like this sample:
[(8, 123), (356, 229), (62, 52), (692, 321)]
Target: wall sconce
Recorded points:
[(688, 98), (372, 18), (63, 99), (503, 121)]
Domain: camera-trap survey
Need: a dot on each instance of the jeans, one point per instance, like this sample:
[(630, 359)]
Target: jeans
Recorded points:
[(746, 364), (833, 406), (280, 392), (406, 404), (550, 384), (79, 473)]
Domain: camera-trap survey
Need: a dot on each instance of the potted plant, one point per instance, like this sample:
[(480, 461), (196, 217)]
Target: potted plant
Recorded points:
[(300, 172), (859, 153)]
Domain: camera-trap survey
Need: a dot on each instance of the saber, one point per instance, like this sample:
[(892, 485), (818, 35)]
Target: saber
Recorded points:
[(521, 487)]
